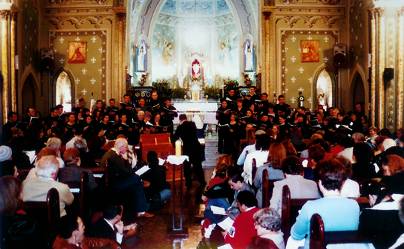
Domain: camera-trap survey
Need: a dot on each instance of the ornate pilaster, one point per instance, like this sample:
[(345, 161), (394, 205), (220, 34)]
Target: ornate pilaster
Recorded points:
[(373, 66), (12, 62), (4, 20), (266, 59), (400, 73), (381, 48)]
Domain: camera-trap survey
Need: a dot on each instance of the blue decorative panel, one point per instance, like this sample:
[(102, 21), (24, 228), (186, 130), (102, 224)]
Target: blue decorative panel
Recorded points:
[(222, 7), (170, 6)]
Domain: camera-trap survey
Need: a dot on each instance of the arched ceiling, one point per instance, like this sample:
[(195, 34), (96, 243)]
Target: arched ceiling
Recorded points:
[(142, 13)]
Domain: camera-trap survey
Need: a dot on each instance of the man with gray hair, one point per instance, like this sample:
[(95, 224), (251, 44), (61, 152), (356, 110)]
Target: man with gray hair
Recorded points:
[(36, 188)]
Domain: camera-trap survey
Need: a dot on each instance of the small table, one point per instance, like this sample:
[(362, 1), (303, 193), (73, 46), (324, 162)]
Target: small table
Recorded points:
[(176, 228)]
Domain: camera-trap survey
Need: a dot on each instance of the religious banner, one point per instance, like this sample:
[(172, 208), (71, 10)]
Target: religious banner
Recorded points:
[(310, 50), (77, 52)]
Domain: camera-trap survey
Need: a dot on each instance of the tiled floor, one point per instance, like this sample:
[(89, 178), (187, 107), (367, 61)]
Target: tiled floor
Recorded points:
[(154, 234)]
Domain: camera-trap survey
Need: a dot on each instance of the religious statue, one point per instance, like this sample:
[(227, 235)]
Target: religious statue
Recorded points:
[(196, 69), (248, 57), (141, 57)]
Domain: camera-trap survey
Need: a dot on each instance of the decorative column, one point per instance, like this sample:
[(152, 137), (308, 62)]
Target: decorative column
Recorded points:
[(13, 43), (400, 73), (120, 33), (373, 67), (381, 50), (4, 20), (265, 50)]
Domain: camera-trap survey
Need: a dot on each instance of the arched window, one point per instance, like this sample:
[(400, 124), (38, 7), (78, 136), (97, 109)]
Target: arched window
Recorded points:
[(324, 93), (64, 91)]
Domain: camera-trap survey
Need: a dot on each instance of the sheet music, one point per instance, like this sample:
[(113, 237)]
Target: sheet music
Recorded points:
[(142, 170), (225, 246), (31, 155), (218, 210), (226, 224)]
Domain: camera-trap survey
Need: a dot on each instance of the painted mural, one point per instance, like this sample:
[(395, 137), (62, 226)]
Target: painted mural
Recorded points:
[(195, 34)]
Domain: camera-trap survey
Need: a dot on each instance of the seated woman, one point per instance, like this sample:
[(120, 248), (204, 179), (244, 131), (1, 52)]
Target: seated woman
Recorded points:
[(268, 226), (393, 173), (338, 213), (381, 221), (216, 194), (159, 190), (17, 229), (277, 153), (71, 173)]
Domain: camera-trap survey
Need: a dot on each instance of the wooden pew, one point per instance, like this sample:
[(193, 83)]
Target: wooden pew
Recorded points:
[(267, 188), (46, 213), (290, 208), (261, 243), (319, 239), (253, 170)]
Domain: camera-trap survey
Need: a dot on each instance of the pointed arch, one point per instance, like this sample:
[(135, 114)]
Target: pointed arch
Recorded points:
[(35, 87), (29, 96), (319, 72), (357, 81), (63, 80)]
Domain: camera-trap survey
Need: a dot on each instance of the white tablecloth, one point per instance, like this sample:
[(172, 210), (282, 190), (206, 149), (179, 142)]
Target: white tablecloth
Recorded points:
[(177, 160)]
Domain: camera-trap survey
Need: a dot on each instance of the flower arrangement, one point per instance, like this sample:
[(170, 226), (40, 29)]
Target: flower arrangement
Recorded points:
[(230, 84)]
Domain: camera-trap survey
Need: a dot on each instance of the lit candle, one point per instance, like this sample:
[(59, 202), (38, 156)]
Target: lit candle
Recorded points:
[(178, 147)]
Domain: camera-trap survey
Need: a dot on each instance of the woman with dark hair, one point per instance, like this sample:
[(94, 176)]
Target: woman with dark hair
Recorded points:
[(381, 222), (338, 213), (159, 190), (277, 153), (393, 173), (17, 229)]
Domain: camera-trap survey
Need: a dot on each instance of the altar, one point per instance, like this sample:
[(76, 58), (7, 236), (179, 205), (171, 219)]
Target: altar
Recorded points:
[(203, 110)]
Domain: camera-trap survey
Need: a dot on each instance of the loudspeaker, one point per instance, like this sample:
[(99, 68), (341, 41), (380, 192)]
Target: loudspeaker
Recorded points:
[(340, 55), (388, 74)]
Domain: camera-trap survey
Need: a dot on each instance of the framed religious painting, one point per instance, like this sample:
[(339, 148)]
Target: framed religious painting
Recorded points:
[(310, 50), (77, 52)]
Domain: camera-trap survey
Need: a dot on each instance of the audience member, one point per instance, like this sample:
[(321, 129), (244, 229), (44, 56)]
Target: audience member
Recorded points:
[(36, 188), (338, 213), (243, 230), (299, 187), (381, 221), (17, 229), (111, 226), (268, 226)]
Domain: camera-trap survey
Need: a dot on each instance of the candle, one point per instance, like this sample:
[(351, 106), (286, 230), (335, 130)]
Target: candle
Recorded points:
[(178, 147)]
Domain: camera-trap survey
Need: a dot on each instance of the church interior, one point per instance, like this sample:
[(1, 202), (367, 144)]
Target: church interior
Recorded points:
[(137, 111)]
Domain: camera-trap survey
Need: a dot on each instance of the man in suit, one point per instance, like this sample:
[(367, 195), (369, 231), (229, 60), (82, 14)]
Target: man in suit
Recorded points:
[(299, 187), (110, 226), (36, 188), (123, 183), (187, 132)]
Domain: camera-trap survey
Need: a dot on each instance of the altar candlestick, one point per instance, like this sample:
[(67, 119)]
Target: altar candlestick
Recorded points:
[(178, 147)]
